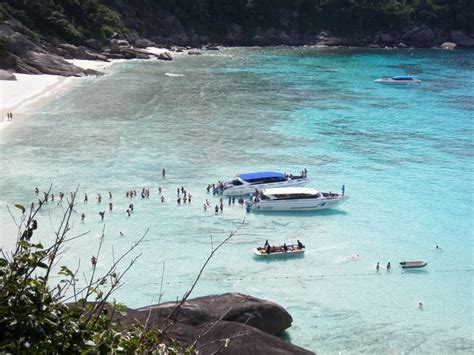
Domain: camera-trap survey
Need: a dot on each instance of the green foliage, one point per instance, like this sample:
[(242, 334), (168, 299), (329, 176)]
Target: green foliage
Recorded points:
[(75, 20), (34, 319)]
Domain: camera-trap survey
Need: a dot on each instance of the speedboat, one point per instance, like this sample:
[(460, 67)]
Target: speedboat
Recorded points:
[(244, 184), (412, 264), (294, 199), (279, 250), (399, 80)]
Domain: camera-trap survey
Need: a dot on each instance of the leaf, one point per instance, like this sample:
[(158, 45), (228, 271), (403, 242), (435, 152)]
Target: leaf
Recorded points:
[(21, 208)]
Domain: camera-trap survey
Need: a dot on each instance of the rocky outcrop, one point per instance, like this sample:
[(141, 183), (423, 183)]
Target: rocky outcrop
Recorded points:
[(421, 36), (461, 39), (164, 56), (236, 307), (26, 56), (6, 75), (248, 322)]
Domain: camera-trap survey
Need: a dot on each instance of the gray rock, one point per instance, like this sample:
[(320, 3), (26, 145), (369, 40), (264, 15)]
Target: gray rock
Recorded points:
[(402, 45), (236, 307), (143, 43), (194, 52), (461, 39), (421, 36), (6, 75), (448, 45), (94, 44), (51, 64), (164, 56)]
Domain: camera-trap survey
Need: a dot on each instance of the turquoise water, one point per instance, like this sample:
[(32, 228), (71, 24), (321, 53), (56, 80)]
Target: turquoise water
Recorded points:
[(405, 156)]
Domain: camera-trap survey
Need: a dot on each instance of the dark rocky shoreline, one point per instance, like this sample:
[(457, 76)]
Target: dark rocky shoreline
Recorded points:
[(29, 54), (251, 324)]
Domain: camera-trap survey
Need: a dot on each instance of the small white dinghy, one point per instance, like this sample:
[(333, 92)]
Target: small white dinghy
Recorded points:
[(283, 250), (413, 264)]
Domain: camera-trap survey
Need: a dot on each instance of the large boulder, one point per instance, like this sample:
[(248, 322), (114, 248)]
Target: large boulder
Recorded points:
[(6, 75), (461, 39), (236, 307), (421, 36), (164, 56), (51, 64), (242, 339), (448, 45)]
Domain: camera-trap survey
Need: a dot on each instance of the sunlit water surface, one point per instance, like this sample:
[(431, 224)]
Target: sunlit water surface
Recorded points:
[(405, 156)]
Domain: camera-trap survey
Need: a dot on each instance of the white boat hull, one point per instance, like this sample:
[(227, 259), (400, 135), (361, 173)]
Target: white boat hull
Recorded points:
[(248, 189), (397, 82), (261, 252), (298, 205)]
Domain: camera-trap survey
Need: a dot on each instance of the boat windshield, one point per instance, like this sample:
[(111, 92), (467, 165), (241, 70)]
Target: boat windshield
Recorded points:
[(400, 77), (295, 196), (266, 180), (237, 182)]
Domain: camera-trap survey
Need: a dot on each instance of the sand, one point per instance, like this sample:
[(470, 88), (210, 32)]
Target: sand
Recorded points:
[(29, 92)]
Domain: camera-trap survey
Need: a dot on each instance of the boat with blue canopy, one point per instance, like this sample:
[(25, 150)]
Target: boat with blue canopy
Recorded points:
[(399, 80), (247, 183)]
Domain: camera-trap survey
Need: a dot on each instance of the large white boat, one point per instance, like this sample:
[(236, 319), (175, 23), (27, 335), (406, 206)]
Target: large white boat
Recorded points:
[(399, 80), (295, 199), (244, 184)]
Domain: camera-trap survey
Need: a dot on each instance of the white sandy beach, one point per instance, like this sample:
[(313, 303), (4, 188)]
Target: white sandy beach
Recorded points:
[(30, 91)]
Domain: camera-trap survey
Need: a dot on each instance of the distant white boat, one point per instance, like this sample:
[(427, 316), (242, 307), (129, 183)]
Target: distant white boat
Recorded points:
[(399, 80), (244, 184), (295, 199), (413, 264)]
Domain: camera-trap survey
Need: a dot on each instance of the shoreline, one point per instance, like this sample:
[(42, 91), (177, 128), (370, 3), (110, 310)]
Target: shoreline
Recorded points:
[(29, 92)]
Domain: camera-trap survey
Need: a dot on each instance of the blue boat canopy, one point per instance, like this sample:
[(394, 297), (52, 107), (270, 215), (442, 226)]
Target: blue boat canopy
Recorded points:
[(261, 175), (403, 77)]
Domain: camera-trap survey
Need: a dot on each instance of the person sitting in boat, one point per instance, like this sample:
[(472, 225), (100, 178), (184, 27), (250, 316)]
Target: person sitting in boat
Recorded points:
[(285, 248), (300, 245), (266, 243), (267, 248)]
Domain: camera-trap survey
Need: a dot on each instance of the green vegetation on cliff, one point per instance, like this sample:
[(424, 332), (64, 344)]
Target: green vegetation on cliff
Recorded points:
[(75, 20)]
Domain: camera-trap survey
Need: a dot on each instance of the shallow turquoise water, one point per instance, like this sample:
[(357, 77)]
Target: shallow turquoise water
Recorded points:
[(405, 156)]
